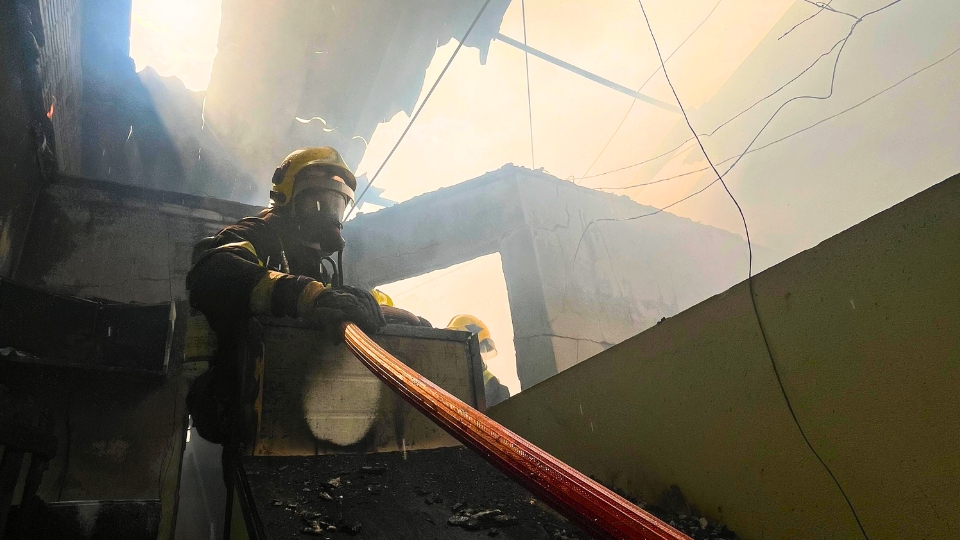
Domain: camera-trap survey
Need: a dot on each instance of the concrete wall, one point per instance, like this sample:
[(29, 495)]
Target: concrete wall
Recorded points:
[(121, 435), (566, 305), (864, 330), (123, 243)]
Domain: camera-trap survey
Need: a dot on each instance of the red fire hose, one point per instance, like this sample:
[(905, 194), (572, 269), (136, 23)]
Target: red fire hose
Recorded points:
[(599, 511)]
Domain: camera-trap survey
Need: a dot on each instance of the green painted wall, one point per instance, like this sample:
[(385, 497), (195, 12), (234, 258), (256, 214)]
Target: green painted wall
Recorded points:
[(865, 329)]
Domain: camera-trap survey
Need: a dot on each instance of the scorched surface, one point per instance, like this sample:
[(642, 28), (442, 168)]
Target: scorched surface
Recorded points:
[(390, 497)]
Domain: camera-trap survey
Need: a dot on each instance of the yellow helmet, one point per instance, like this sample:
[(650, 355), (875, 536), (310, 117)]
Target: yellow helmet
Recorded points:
[(382, 298), (322, 157), (469, 323)]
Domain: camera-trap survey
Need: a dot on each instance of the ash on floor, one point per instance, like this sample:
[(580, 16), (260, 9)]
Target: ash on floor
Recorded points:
[(447, 493)]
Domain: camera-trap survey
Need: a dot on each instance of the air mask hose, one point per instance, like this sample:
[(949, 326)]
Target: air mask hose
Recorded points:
[(336, 277)]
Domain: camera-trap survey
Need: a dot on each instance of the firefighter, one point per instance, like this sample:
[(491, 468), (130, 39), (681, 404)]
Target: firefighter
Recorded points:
[(274, 264), (494, 391)]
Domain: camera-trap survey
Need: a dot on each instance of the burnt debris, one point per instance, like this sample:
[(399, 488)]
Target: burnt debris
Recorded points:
[(446, 493)]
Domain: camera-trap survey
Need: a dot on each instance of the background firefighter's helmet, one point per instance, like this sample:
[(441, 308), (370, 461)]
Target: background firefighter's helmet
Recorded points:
[(493, 390), (319, 158), (469, 323)]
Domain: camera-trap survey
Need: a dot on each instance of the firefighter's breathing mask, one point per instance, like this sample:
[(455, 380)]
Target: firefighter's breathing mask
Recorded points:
[(320, 198)]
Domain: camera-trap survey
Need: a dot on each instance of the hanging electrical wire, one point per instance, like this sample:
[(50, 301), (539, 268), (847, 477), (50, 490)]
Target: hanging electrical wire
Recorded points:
[(526, 63), (642, 86), (794, 27), (823, 55), (752, 150), (781, 139), (416, 113), (746, 229), (747, 150)]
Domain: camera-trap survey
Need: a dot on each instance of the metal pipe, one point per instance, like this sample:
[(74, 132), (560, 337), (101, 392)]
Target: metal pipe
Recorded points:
[(599, 511), (584, 73)]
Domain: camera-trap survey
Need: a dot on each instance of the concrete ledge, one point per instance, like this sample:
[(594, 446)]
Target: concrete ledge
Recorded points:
[(864, 331), (113, 190)]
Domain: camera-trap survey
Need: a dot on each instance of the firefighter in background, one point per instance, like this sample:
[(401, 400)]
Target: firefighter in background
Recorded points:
[(274, 264), (495, 391)]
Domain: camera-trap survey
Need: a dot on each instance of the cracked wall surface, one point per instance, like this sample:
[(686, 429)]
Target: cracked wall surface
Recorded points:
[(575, 286)]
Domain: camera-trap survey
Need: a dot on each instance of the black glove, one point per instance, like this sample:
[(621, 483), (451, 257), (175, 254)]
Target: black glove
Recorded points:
[(334, 306), (395, 315)]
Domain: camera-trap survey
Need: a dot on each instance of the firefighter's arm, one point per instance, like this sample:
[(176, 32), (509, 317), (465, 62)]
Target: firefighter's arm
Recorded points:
[(229, 281), (281, 295)]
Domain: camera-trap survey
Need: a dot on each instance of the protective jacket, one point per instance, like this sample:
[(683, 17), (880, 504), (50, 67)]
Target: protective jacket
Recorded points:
[(256, 267), (493, 389)]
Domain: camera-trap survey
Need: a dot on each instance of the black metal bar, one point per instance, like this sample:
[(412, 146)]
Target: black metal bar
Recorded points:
[(586, 74)]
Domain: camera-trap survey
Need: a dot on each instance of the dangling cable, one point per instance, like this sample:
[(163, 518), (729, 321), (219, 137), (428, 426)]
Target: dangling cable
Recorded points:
[(753, 298), (526, 63), (416, 113)]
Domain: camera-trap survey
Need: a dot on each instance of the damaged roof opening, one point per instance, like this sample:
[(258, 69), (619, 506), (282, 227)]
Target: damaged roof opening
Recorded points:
[(722, 257)]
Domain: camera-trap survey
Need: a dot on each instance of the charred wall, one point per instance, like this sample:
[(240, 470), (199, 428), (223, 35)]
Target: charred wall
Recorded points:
[(120, 435), (123, 137), (113, 123), (62, 77), (106, 240), (26, 140), (352, 64)]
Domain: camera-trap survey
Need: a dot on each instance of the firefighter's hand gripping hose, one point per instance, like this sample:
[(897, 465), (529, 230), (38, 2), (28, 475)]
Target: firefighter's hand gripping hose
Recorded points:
[(596, 509)]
